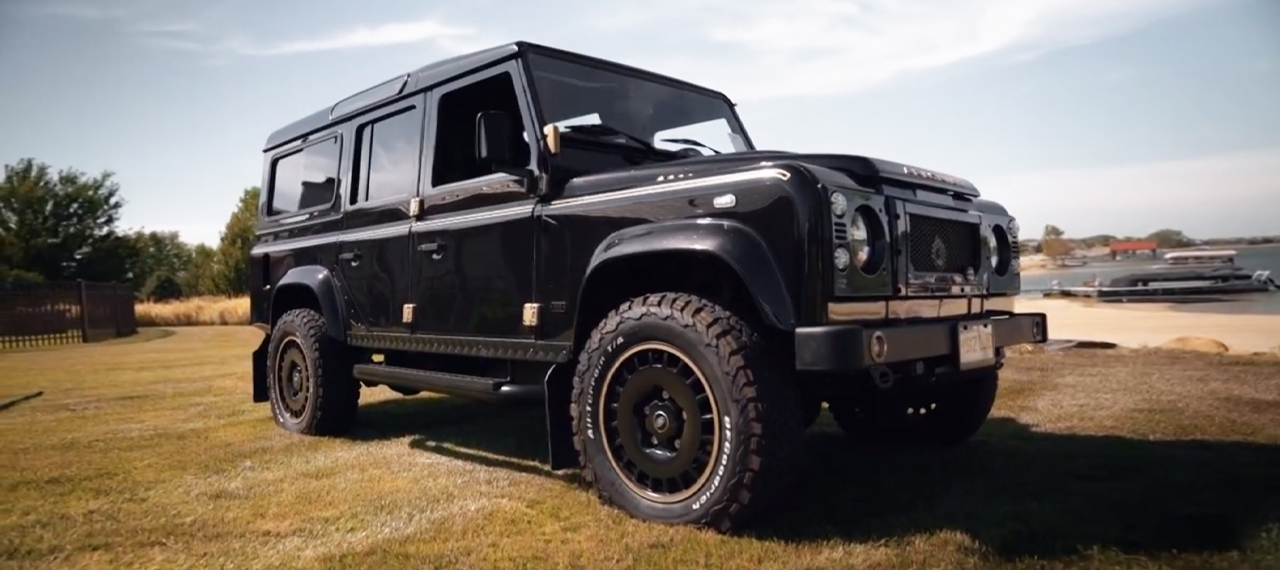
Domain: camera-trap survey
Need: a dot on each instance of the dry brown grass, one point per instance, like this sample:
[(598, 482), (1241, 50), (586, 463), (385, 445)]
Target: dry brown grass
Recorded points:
[(195, 311), (150, 455)]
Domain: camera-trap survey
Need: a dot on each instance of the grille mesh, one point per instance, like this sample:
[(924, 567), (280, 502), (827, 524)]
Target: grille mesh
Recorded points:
[(937, 245)]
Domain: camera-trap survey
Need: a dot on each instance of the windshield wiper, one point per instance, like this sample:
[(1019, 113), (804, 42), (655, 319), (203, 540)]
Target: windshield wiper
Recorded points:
[(691, 142), (601, 129)]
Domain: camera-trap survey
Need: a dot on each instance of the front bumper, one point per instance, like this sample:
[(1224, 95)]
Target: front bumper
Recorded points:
[(845, 348)]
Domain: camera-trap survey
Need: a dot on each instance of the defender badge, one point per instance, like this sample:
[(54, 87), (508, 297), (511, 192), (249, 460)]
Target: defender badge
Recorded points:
[(939, 252)]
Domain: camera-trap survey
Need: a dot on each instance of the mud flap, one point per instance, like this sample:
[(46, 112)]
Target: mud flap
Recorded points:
[(260, 371), (559, 392)]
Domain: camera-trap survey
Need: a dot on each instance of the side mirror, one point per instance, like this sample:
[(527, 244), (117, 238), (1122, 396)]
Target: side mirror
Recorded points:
[(493, 139)]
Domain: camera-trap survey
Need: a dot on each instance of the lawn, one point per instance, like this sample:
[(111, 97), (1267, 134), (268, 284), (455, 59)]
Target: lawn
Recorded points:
[(149, 454)]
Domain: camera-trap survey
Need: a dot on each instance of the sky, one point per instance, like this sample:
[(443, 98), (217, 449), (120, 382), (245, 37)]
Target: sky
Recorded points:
[(1098, 116)]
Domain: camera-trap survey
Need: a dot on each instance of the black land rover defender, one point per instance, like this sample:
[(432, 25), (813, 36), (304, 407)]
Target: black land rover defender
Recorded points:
[(528, 224)]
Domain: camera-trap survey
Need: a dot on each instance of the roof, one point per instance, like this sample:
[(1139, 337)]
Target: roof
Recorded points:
[(1145, 245), (445, 70)]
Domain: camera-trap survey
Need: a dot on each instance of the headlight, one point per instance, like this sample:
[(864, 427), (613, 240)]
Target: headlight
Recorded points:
[(842, 258), (839, 205), (1013, 228), (1000, 248), (993, 248), (860, 239)]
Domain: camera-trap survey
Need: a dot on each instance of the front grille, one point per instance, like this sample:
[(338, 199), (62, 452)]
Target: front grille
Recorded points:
[(937, 245), (840, 231)]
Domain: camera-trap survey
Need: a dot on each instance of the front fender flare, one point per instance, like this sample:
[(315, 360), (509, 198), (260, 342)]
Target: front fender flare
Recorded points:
[(732, 242)]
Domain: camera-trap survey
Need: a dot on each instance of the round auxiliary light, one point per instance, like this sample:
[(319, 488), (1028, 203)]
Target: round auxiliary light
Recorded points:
[(842, 258), (839, 204)]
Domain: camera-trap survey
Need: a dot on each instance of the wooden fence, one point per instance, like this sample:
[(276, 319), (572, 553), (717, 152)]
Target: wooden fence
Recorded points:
[(43, 314)]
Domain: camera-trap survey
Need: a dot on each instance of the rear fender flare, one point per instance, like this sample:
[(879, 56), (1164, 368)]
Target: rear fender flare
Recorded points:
[(321, 284)]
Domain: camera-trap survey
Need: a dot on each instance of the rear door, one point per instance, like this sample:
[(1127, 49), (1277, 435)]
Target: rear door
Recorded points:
[(373, 254)]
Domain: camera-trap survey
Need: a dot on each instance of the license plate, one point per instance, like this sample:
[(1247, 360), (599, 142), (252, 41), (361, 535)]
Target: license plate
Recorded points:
[(976, 346)]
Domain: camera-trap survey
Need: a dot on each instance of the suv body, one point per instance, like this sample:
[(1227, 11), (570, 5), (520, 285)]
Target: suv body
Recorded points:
[(482, 227)]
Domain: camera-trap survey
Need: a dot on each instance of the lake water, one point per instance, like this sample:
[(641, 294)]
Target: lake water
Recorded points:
[(1258, 258)]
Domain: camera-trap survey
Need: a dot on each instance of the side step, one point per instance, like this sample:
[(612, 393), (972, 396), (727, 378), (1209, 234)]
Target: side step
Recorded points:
[(461, 385)]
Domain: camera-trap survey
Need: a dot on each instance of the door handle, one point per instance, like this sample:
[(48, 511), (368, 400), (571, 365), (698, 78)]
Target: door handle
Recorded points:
[(431, 246), (352, 256)]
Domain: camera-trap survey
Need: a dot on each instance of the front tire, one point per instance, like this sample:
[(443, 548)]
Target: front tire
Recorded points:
[(681, 416), (312, 390)]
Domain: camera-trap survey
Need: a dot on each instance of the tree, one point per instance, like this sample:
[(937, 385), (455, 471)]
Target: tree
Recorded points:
[(60, 226), (202, 275), (1171, 239), (233, 248), (159, 254), (164, 287), (1099, 240), (1053, 244)]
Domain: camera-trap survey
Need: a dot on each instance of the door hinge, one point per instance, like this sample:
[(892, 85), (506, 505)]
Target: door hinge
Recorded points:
[(415, 207), (406, 313), (531, 312)]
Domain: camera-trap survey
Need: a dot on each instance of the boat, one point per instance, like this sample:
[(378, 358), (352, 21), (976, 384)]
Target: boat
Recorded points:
[(1183, 274), (1202, 257)]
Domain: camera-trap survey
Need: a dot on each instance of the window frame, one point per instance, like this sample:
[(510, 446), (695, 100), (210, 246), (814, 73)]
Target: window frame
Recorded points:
[(528, 118), (359, 182), (269, 194)]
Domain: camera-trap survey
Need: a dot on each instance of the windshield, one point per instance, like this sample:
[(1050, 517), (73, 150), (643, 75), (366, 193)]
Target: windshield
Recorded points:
[(636, 113)]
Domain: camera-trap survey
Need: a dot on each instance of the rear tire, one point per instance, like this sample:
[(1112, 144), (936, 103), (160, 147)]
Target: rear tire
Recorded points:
[(309, 380), (650, 366)]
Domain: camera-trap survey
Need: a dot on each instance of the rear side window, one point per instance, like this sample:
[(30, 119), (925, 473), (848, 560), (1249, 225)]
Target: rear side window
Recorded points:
[(305, 179), (390, 156)]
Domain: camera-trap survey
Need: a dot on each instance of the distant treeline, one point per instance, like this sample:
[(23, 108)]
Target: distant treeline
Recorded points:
[(63, 226), (1054, 243)]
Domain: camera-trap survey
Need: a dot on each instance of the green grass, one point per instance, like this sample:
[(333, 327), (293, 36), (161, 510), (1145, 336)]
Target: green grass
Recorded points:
[(149, 455)]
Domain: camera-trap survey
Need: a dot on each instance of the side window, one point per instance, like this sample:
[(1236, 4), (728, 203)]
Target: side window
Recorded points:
[(305, 179), (389, 156), (455, 155)]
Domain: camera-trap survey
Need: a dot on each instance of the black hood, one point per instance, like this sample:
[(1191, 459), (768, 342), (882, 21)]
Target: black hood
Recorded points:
[(865, 170)]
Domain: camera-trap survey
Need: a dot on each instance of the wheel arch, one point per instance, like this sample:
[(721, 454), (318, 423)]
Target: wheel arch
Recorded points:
[(310, 287), (686, 244), (722, 260)]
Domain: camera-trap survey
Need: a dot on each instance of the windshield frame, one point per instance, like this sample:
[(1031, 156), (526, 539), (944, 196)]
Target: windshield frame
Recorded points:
[(535, 100)]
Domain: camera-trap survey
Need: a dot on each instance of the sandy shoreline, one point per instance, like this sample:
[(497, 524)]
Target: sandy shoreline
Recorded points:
[(1152, 325)]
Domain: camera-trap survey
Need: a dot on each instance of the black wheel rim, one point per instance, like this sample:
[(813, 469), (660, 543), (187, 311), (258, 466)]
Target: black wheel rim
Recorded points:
[(661, 424), (292, 386)]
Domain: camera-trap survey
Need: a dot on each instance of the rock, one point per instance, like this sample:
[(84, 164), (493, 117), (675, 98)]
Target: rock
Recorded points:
[(1197, 344), (1024, 349)]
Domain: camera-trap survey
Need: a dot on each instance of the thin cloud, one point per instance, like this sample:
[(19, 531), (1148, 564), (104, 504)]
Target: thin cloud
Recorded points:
[(400, 33), (1215, 195), (165, 27), (79, 10), (761, 50)]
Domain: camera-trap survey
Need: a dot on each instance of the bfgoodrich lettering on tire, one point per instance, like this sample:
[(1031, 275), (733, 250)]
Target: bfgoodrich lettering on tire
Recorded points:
[(680, 414), (309, 377)]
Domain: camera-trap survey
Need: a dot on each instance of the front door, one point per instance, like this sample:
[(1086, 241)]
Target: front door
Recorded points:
[(473, 248), (373, 254)]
